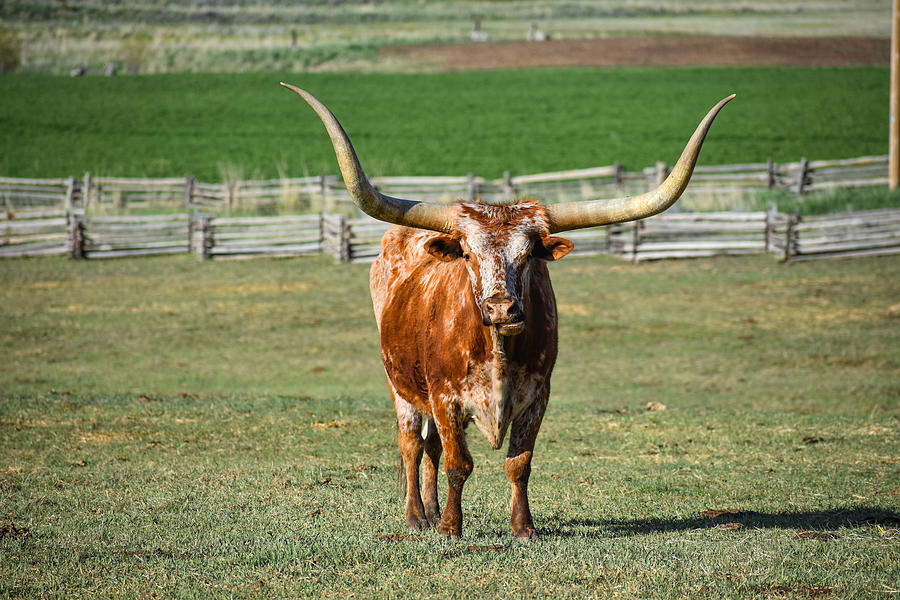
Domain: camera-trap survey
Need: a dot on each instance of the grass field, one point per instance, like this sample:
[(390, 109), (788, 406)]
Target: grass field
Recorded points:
[(523, 121), (170, 428)]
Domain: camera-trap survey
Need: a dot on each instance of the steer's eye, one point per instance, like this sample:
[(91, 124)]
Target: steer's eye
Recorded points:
[(466, 255)]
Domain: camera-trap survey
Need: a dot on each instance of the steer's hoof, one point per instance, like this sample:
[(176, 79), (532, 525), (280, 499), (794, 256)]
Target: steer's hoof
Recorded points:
[(526, 534), (434, 518), (451, 531), (417, 524)]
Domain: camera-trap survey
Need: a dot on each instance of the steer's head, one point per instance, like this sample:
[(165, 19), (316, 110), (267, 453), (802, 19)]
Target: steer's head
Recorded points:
[(498, 245)]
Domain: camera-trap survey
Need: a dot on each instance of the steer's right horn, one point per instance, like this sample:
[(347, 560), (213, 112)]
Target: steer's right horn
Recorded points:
[(424, 215)]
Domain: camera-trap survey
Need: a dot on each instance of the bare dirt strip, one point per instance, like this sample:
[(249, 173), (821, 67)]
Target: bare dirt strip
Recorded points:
[(666, 51)]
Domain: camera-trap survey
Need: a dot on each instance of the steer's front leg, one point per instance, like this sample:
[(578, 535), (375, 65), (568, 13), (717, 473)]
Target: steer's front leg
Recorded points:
[(518, 464), (457, 462)]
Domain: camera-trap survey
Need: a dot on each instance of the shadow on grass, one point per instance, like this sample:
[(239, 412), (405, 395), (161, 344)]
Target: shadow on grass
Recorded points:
[(732, 519)]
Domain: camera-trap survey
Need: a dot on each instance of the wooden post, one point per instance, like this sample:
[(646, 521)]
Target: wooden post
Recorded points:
[(345, 240), (205, 233), (472, 188), (894, 120), (801, 178), (770, 172), (322, 190), (636, 239), (70, 195), (76, 235), (509, 190), (790, 234), (661, 173), (620, 176), (86, 191), (229, 195), (188, 190)]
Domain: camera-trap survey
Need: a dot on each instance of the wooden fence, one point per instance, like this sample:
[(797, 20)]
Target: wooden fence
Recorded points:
[(111, 237), (257, 236), (35, 233), (865, 233), (673, 235), (326, 194)]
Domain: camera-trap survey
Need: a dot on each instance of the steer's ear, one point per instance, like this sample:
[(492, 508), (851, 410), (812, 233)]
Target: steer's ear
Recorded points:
[(444, 247), (552, 248)]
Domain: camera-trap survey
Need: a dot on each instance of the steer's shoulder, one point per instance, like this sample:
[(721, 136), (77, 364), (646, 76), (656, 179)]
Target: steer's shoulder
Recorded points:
[(405, 245)]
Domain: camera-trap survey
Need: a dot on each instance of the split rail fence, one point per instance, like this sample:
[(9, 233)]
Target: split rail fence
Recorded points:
[(326, 194), (676, 235), (70, 216)]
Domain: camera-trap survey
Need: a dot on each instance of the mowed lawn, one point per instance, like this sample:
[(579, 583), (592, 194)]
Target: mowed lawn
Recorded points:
[(171, 428)]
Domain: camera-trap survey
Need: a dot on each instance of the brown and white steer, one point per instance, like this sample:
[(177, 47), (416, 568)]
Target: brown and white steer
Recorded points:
[(468, 323)]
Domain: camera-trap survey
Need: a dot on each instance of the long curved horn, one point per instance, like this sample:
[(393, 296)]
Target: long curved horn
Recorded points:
[(423, 215), (575, 215)]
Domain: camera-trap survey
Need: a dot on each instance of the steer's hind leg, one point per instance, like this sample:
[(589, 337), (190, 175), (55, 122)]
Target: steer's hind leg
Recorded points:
[(409, 438), (518, 464), (431, 461)]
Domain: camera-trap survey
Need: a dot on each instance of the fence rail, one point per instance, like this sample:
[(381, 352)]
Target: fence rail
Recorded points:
[(675, 235), (326, 194)]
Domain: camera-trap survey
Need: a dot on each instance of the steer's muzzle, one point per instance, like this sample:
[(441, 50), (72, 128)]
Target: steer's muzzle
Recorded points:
[(505, 314)]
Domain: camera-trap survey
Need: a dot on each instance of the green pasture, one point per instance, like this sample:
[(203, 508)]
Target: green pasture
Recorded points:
[(171, 428), (219, 126)]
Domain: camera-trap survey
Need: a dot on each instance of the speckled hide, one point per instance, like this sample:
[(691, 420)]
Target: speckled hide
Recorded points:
[(468, 333)]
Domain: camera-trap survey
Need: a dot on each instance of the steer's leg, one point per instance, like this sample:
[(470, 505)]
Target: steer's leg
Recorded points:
[(409, 438), (431, 461), (518, 463), (457, 463)]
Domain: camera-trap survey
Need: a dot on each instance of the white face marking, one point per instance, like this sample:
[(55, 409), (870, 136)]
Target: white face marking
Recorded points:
[(502, 254)]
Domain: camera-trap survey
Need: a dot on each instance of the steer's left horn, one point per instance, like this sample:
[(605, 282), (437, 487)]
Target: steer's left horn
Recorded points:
[(575, 215), (411, 213)]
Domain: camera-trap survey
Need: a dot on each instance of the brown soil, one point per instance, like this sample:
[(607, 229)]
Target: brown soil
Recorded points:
[(666, 51)]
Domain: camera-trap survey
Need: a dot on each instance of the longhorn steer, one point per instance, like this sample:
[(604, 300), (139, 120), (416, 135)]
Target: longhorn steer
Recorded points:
[(468, 324)]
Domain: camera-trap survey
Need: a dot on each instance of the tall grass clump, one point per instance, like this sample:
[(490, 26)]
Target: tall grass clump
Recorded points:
[(826, 201), (10, 50)]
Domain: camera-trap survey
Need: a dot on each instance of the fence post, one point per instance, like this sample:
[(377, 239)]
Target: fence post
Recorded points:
[(636, 239), (620, 176), (662, 172), (801, 180), (204, 232), (70, 194), (229, 195), (344, 240), (188, 190), (86, 191), (76, 235), (472, 188), (770, 172), (509, 190), (770, 226), (790, 235)]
